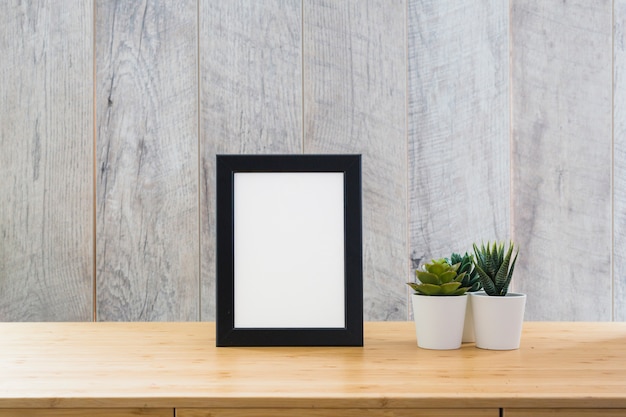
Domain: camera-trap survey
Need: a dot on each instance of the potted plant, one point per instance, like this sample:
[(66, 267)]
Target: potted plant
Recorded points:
[(439, 305), (498, 314), (471, 280)]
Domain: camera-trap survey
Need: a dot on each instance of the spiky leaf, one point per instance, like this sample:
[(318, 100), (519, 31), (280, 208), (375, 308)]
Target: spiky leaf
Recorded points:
[(492, 264), (471, 279), (488, 285), (501, 279)]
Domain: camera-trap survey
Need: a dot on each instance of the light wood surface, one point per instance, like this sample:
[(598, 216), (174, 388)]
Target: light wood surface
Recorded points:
[(46, 153), (147, 246), (458, 118), (562, 157), (564, 412), (333, 412), (176, 365), (88, 412), (355, 102)]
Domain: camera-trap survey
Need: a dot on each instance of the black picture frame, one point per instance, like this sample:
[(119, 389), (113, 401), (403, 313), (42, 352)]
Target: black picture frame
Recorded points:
[(237, 184)]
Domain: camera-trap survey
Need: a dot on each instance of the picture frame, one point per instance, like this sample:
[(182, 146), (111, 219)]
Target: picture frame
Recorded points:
[(289, 250)]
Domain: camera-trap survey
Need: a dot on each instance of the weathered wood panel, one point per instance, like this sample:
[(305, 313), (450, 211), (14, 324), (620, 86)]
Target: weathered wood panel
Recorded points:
[(561, 98), (147, 246), (46, 131), (619, 157), (459, 152), (250, 97), (355, 102)]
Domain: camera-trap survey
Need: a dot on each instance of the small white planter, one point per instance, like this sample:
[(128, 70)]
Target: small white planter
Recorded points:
[(468, 327), (439, 320), (498, 320)]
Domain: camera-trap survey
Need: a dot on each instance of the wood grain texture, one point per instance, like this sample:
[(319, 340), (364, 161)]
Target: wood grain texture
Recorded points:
[(354, 102), (250, 97), (88, 412), (336, 412), (147, 161), (176, 365), (619, 160), (561, 92), (458, 126), (46, 130), (563, 412)]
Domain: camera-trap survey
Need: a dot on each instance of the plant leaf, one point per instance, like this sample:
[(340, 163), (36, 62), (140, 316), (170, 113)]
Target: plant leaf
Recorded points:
[(488, 285), (447, 276), (449, 288), (436, 268), (502, 277), (460, 291), (427, 289), (427, 277), (460, 277), (455, 267), (492, 262), (510, 275)]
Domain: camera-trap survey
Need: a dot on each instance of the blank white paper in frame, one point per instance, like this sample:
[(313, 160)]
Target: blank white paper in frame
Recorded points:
[(289, 250)]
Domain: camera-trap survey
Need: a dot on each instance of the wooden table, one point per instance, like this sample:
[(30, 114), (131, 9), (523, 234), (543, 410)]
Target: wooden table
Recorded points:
[(167, 369)]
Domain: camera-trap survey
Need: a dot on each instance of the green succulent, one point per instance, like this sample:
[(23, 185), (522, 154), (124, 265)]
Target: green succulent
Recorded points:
[(439, 278), (471, 278), (492, 264)]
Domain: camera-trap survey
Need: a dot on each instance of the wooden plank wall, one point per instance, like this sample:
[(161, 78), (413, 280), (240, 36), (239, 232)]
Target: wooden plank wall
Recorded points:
[(46, 148), (250, 95), (619, 158), (111, 114), (458, 126), (147, 219), (562, 156), (354, 102)]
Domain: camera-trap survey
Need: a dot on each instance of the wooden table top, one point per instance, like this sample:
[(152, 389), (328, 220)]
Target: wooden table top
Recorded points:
[(177, 365)]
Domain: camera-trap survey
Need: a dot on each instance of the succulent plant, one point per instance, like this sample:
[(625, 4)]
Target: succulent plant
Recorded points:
[(439, 278), (492, 264), (471, 278)]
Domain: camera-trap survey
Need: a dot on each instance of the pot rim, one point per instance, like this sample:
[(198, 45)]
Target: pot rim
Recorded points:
[(509, 294), (441, 296)]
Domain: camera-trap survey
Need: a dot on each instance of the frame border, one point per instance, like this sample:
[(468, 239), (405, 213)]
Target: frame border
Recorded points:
[(226, 332)]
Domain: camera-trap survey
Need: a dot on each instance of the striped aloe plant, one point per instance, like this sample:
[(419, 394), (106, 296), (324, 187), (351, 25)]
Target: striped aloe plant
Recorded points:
[(494, 267)]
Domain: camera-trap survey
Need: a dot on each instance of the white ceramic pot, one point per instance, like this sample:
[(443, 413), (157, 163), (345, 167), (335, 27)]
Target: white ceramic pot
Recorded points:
[(468, 327), (439, 320), (498, 320)]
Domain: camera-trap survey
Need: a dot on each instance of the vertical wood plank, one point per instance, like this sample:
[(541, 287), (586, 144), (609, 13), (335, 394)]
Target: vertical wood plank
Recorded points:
[(561, 92), (46, 131), (619, 157), (355, 102), (250, 97), (459, 148), (147, 163)]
